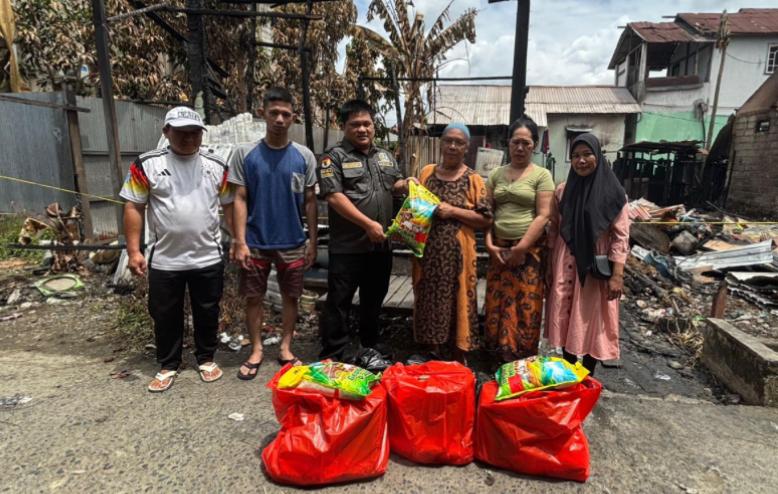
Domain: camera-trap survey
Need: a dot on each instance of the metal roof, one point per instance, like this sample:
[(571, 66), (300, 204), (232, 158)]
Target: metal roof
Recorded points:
[(663, 32), (490, 105), (745, 22), (691, 28)]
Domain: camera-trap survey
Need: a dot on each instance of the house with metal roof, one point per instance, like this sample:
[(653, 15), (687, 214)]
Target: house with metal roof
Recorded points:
[(561, 112), (672, 69)]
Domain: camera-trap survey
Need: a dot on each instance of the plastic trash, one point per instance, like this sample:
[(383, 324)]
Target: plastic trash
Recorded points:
[(271, 340), (237, 417), (372, 360)]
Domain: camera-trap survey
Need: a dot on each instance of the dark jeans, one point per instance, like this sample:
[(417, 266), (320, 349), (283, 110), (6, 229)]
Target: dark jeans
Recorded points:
[(166, 306), (589, 362), (370, 273)]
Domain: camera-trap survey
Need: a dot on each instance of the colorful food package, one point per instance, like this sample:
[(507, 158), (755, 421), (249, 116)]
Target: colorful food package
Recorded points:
[(537, 373), (324, 440), (538, 433), (431, 412), (329, 378), (413, 221)]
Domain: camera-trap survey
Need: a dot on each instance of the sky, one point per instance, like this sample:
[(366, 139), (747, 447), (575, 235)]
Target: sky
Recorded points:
[(570, 41)]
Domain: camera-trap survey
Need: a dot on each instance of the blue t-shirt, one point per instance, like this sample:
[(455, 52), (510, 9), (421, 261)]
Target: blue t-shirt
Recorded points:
[(275, 181)]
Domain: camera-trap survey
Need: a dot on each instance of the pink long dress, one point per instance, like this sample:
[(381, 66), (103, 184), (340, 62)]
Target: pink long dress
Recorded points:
[(581, 319)]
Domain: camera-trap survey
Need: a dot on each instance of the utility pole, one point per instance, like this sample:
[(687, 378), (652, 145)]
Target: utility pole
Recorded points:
[(109, 108), (196, 55), (722, 40), (519, 86), (521, 40)]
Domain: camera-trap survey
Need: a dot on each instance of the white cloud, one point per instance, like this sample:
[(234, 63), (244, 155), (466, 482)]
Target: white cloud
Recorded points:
[(570, 41)]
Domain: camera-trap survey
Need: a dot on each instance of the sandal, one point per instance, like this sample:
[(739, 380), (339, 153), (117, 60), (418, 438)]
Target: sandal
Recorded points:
[(251, 367), (209, 372), (293, 361), (164, 378)]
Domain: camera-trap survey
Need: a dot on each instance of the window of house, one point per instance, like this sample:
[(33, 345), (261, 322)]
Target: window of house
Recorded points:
[(762, 126), (772, 59)]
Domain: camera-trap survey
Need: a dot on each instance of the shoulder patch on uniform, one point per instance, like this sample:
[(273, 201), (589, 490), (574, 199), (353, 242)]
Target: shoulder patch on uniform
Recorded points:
[(384, 160), (326, 162), (351, 164), (327, 172)]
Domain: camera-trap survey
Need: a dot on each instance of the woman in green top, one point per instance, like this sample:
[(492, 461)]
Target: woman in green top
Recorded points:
[(521, 194)]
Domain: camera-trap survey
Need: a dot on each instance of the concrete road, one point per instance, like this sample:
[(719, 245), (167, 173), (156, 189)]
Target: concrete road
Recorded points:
[(83, 431)]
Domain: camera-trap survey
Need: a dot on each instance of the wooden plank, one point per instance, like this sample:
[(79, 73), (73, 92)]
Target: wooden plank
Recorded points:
[(408, 298), (401, 293), (395, 282)]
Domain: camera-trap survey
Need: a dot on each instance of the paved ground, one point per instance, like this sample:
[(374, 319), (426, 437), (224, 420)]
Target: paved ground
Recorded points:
[(84, 431)]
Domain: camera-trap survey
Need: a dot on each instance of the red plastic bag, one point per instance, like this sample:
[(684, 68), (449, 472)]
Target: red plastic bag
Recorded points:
[(431, 412), (538, 433), (326, 440)]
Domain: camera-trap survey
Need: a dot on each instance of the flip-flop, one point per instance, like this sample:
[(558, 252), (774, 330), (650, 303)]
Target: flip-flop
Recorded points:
[(163, 376), (209, 367), (250, 366), (292, 360)]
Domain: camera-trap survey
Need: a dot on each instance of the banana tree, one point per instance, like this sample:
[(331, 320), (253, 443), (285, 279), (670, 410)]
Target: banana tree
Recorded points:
[(412, 51)]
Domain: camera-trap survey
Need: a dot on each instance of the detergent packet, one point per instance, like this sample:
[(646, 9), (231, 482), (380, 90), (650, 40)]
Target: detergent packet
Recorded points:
[(330, 378), (536, 373), (414, 220)]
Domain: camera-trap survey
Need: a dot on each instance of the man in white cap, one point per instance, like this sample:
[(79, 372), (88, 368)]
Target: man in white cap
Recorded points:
[(180, 188)]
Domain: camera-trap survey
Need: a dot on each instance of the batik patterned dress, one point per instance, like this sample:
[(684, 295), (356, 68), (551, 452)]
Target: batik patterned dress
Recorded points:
[(445, 281)]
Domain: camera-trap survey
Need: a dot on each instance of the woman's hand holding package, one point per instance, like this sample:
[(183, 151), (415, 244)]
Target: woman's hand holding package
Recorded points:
[(445, 211)]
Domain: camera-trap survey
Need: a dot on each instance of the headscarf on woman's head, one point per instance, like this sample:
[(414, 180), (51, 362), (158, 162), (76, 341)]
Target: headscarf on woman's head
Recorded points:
[(589, 205), (457, 126)]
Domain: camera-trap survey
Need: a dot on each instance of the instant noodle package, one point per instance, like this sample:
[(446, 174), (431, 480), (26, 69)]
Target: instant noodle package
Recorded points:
[(537, 373), (414, 220), (330, 379), (431, 412)]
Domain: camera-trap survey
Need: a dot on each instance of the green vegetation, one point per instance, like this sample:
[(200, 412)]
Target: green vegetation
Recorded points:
[(10, 226)]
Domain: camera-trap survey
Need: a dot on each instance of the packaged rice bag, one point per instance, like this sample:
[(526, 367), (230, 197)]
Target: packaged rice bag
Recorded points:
[(413, 221), (330, 379), (536, 373)]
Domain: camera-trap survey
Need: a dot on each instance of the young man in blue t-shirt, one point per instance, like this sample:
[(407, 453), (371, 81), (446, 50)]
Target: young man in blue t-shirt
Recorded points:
[(274, 182)]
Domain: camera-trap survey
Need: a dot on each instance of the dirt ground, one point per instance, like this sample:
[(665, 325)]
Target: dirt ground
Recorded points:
[(90, 425)]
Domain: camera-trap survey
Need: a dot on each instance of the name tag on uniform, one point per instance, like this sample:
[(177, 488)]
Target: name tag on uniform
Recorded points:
[(385, 161), (351, 165)]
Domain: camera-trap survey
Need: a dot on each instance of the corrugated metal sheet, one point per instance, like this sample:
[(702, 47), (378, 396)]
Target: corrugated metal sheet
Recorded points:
[(490, 105), (35, 147), (663, 32), (745, 22)]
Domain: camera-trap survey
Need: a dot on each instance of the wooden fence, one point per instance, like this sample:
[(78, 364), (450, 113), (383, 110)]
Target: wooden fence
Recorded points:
[(420, 151)]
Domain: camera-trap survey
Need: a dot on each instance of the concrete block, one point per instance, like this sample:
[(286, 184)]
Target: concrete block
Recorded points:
[(745, 364)]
